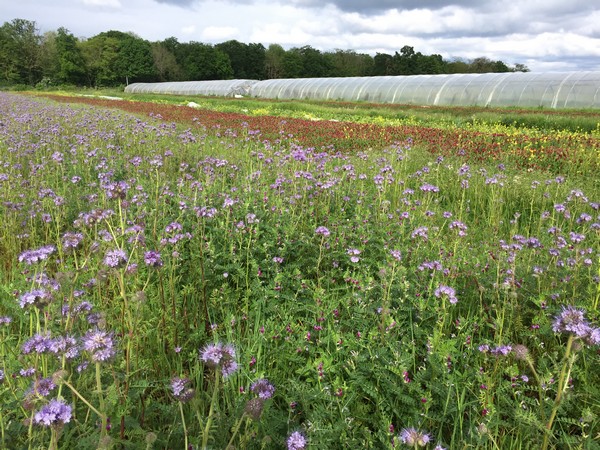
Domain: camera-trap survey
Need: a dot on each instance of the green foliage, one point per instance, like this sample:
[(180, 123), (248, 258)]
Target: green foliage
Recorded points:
[(354, 336)]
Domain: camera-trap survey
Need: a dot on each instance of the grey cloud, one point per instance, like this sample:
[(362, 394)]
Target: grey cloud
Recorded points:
[(368, 7)]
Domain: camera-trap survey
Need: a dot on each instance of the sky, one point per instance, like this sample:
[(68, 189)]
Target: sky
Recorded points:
[(545, 35)]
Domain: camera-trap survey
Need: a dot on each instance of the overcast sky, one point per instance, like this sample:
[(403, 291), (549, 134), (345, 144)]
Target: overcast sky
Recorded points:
[(545, 35)]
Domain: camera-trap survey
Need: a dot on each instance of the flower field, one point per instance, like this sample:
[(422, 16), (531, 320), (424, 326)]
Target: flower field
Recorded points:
[(177, 278)]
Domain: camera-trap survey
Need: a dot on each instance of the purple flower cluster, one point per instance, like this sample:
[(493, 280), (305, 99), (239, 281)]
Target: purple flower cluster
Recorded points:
[(55, 413), (572, 320), (323, 231), (99, 344), (71, 240), (414, 438), (443, 291), (42, 387), (36, 255), (153, 259), (296, 441), (115, 258), (220, 355), (36, 297), (180, 389), (500, 350), (263, 388)]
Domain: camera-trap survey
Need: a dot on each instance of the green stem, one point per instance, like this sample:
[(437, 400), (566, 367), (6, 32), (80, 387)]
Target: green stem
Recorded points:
[(213, 402), (235, 431), (82, 398), (562, 381), (185, 432), (104, 431)]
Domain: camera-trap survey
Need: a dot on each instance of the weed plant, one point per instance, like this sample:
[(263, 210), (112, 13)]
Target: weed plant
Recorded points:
[(171, 287)]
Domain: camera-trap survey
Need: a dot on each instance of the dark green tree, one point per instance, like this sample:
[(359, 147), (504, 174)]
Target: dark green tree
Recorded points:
[(274, 61), (70, 61), (247, 60), (203, 62), (165, 63), (20, 44), (382, 64), (348, 63), (100, 54)]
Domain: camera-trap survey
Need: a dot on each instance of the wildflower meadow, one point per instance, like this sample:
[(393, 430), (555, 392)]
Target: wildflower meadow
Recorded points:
[(172, 284)]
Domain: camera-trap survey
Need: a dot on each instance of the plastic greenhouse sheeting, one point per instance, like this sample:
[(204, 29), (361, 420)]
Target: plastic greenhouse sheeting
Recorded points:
[(549, 90), (224, 88)]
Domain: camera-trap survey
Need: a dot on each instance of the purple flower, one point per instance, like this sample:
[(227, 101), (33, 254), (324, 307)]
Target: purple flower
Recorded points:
[(36, 297), (501, 350), (446, 292), (38, 343), (55, 413), (116, 190), (33, 256), (571, 320), (414, 438), (115, 258), (42, 387), (64, 346), (396, 254), (153, 259), (420, 232), (71, 240), (181, 391), (99, 344), (323, 231), (461, 227), (263, 388), (220, 355), (429, 188), (296, 441)]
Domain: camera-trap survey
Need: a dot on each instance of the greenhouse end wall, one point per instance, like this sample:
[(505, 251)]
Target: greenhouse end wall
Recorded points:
[(548, 90)]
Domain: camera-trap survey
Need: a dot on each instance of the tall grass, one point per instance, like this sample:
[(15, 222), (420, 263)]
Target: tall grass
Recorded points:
[(165, 287)]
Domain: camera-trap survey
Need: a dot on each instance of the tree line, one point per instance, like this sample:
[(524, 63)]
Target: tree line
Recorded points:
[(114, 58)]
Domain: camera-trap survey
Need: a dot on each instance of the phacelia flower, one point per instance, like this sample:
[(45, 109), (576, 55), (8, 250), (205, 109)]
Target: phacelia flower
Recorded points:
[(99, 344), (323, 231), (181, 391), (296, 441), (115, 258), (55, 413), (30, 257), (220, 355), (263, 388), (414, 438), (36, 297), (42, 387), (153, 259), (572, 320), (447, 292)]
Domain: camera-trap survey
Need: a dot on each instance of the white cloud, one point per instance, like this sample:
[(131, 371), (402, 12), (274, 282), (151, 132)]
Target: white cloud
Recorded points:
[(103, 3), (219, 33), (191, 29)]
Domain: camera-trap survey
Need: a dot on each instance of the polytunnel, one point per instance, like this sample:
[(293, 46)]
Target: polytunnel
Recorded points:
[(224, 88), (548, 90), (551, 90)]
